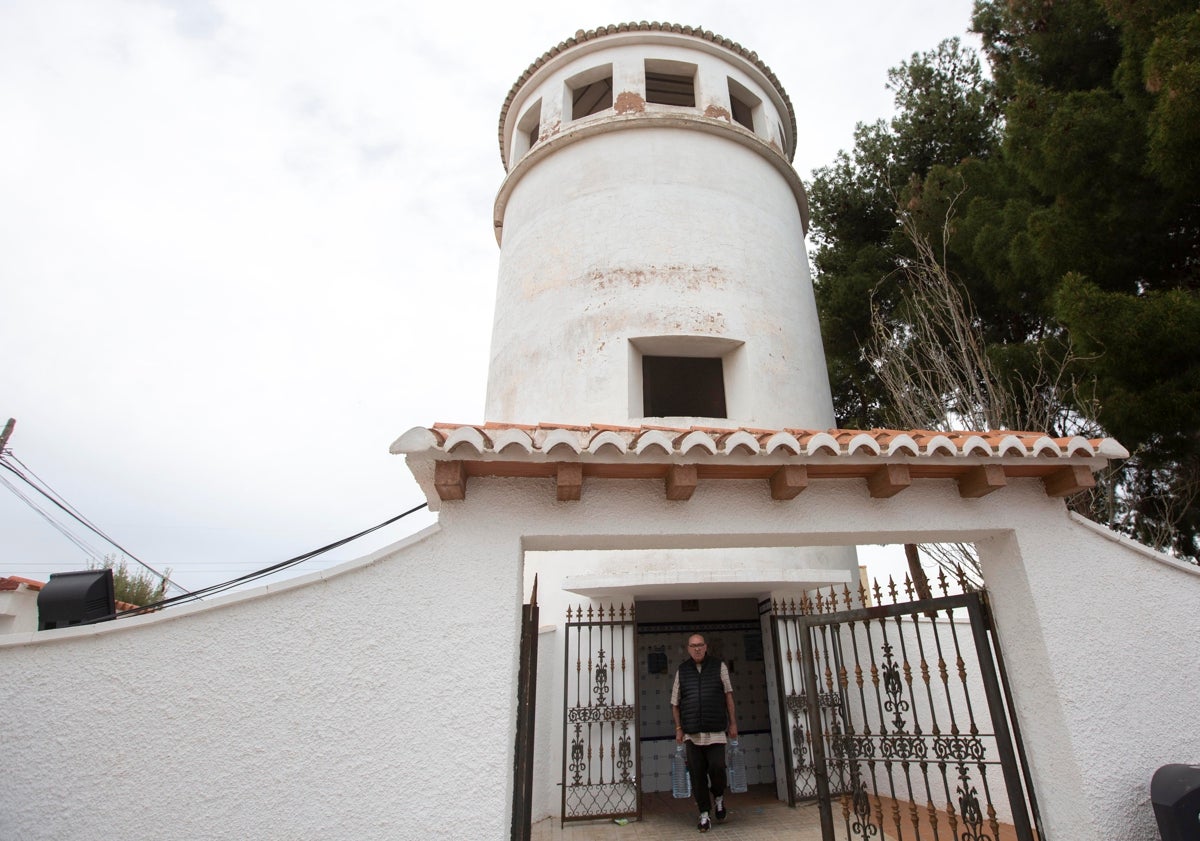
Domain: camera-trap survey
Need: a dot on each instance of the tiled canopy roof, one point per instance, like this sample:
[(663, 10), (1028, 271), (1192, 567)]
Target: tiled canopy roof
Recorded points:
[(583, 36), (14, 582), (888, 459)]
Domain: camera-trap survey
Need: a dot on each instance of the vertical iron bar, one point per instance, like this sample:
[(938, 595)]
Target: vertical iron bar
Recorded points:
[(991, 685), (814, 726), (936, 730), (801, 735), (1012, 713), (855, 765), (897, 723), (526, 717), (566, 718), (883, 730), (785, 716), (598, 728), (916, 731), (637, 721), (591, 690), (841, 683)]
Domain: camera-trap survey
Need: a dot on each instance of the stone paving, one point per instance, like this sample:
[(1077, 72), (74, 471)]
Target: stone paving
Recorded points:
[(754, 816)]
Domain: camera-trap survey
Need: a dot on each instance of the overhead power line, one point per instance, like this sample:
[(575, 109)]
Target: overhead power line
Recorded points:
[(26, 475), (261, 573), (49, 518), (50, 494)]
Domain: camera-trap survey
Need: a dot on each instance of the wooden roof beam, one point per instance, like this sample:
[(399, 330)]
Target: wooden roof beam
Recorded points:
[(1069, 480), (889, 480), (450, 479), (788, 481), (569, 481), (981, 481), (681, 481)]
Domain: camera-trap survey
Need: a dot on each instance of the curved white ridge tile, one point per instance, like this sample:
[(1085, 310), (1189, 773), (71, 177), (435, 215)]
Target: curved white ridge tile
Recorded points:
[(1111, 448), (467, 435), (416, 440), (562, 438), (1075, 445), (783, 440), (1011, 442), (940, 442), (654, 438), (1078, 445), (741, 438), (823, 441), (700, 439), (903, 441), (512, 438), (607, 437), (1045, 446), (974, 443), (863, 441)]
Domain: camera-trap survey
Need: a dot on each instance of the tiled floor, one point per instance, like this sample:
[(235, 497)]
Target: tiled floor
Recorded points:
[(754, 816)]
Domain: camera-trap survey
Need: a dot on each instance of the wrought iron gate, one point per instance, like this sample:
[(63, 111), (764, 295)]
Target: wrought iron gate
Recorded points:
[(799, 750), (522, 806), (910, 730), (600, 715)]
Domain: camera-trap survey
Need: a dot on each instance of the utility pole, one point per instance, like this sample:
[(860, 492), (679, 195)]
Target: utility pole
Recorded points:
[(4, 436)]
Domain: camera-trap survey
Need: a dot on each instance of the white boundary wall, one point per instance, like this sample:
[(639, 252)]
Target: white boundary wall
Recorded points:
[(377, 700)]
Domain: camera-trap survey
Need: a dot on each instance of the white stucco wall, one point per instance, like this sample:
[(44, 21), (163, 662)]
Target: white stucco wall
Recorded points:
[(337, 707), (1109, 629), (18, 610), (379, 702), (625, 243)]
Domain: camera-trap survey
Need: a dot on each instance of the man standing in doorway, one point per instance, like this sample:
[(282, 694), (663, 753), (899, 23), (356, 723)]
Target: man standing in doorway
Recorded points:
[(702, 704)]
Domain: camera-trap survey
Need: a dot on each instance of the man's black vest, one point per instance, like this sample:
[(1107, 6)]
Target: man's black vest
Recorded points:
[(702, 697)]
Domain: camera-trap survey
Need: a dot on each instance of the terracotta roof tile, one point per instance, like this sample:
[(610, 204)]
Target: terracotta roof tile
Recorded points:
[(920, 443), (12, 582), (608, 451)]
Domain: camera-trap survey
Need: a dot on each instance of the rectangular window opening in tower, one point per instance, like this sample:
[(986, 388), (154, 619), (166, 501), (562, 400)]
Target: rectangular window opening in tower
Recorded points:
[(528, 130), (683, 386), (671, 83), (742, 104), (591, 92)]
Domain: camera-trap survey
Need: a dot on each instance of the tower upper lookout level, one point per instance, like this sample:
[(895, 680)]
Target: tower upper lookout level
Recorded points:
[(642, 75)]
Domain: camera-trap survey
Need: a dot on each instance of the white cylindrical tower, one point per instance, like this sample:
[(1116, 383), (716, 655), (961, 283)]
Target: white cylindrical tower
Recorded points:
[(651, 230)]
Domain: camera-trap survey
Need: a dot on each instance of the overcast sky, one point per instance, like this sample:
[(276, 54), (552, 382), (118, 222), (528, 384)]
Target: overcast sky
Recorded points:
[(245, 245)]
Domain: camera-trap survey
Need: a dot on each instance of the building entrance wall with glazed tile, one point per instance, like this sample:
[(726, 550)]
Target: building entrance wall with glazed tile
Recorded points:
[(733, 632)]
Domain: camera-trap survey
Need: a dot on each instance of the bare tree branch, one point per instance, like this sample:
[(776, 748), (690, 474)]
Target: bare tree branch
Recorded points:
[(936, 368)]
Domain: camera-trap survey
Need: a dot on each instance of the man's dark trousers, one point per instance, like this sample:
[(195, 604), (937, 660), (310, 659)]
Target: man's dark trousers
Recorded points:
[(705, 764)]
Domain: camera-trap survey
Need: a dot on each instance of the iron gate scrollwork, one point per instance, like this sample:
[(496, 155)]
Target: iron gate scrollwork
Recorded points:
[(798, 732), (600, 715), (910, 731)]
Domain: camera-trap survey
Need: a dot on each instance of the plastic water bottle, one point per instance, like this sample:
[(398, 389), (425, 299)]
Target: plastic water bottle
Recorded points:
[(735, 764), (681, 782)]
